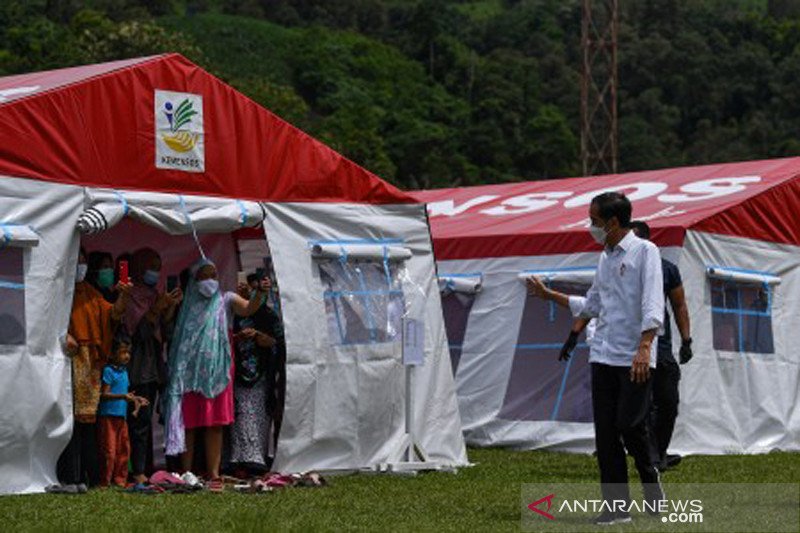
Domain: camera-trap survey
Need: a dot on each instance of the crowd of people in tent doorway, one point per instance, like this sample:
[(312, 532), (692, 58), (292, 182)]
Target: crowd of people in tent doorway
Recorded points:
[(204, 367)]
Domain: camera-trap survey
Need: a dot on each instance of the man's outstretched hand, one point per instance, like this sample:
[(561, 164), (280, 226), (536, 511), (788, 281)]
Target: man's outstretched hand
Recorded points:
[(536, 287)]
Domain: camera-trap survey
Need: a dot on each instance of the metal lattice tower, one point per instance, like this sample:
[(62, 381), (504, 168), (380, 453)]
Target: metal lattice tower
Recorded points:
[(599, 141)]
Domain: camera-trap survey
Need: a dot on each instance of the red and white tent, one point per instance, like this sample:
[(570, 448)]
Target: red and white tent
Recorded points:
[(732, 229), (148, 151)]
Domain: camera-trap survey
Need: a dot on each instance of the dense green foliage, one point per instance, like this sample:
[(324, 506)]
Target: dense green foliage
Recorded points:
[(445, 92)]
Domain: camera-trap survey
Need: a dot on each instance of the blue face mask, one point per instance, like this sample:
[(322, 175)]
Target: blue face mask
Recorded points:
[(151, 277)]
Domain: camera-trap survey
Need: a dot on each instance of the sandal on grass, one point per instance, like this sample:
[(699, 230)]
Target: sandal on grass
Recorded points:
[(216, 485), (312, 479), (143, 488), (56, 488)]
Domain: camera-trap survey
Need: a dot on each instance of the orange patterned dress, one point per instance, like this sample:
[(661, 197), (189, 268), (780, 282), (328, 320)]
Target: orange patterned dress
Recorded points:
[(91, 326)]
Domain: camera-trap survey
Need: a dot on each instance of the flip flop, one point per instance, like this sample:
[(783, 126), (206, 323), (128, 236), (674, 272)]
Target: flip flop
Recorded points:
[(215, 485), (62, 489), (142, 488)]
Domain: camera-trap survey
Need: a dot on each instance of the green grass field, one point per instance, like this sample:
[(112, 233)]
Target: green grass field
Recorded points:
[(485, 497)]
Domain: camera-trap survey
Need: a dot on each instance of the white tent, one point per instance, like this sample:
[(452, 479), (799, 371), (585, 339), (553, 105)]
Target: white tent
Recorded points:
[(104, 151), (733, 231)]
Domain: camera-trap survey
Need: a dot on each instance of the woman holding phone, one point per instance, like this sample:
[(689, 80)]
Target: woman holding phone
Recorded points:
[(88, 344), (149, 320), (199, 395)]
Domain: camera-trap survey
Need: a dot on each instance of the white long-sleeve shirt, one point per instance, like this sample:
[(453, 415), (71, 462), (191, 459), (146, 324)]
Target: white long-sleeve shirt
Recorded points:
[(627, 297)]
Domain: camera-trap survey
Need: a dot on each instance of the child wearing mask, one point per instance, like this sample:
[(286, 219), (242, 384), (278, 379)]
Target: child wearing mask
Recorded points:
[(112, 427)]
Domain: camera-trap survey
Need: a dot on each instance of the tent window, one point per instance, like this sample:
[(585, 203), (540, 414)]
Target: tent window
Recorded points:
[(363, 300), (742, 316), (12, 296), (458, 295), (540, 387)]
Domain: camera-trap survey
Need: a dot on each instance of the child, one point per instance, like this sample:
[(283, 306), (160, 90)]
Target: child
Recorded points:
[(112, 428)]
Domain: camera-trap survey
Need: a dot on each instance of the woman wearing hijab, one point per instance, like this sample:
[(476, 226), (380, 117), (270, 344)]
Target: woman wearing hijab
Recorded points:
[(148, 319), (200, 389), (258, 341), (100, 274), (91, 330)]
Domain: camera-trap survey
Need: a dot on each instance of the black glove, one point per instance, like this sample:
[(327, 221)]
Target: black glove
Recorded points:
[(566, 350), (686, 351)]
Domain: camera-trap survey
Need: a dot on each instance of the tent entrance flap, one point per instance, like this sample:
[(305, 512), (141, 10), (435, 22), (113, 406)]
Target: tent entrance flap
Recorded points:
[(172, 213)]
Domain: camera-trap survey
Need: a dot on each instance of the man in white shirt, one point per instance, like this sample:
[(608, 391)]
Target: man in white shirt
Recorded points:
[(627, 299)]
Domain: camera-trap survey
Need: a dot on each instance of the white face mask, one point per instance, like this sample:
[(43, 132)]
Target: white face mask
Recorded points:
[(208, 287), (598, 234), (80, 273)]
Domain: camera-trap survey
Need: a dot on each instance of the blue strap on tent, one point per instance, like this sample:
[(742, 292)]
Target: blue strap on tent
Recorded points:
[(552, 316), (373, 337), (561, 389), (343, 257), (342, 335), (6, 236), (741, 333), (450, 285), (547, 346), (125, 207), (338, 294), (386, 266), (768, 290), (191, 225), (11, 285), (243, 209)]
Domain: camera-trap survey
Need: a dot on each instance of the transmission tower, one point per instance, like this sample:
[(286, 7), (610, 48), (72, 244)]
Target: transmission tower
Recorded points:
[(599, 141)]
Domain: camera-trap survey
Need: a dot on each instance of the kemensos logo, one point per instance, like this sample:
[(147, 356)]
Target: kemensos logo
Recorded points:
[(179, 131)]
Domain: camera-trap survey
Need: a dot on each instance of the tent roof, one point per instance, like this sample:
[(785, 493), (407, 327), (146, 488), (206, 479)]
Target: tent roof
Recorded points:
[(754, 199), (96, 126)]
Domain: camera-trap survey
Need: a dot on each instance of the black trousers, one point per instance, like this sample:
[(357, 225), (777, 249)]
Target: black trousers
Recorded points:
[(664, 409), (620, 410), (78, 462), (140, 429)]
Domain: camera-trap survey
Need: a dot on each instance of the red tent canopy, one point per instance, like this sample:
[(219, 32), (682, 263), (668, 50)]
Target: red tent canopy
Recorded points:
[(97, 125), (754, 199)]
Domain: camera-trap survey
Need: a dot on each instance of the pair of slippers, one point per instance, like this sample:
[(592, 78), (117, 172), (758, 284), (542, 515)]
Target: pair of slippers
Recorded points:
[(144, 488), (57, 488), (311, 479)]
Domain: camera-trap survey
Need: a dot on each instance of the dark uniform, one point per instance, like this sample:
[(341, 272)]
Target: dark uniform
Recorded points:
[(667, 374)]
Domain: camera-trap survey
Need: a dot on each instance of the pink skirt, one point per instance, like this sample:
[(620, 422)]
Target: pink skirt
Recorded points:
[(202, 412)]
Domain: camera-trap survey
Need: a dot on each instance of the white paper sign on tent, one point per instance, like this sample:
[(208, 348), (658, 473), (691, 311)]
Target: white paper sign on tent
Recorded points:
[(413, 342)]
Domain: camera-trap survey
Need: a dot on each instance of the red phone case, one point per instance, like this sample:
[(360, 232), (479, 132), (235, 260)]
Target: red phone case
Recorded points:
[(123, 272)]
